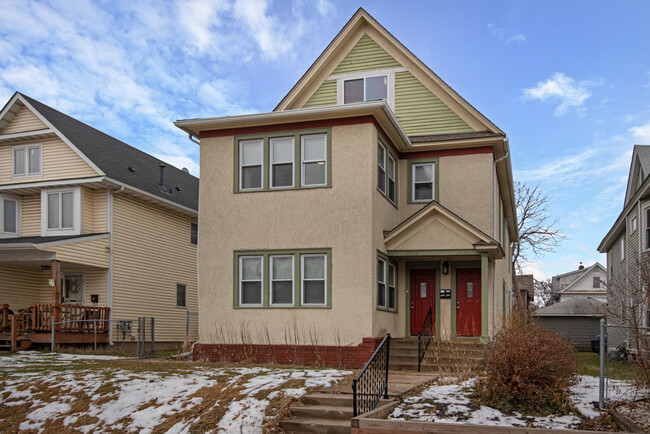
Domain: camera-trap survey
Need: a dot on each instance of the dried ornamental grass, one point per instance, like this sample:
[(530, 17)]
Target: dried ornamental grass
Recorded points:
[(529, 370)]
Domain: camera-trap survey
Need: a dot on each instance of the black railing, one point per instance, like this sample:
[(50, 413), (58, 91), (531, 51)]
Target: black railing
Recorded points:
[(372, 382), (424, 337)]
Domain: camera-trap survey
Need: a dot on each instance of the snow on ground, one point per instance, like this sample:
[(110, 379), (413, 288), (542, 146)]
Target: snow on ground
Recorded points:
[(450, 403), (125, 400)]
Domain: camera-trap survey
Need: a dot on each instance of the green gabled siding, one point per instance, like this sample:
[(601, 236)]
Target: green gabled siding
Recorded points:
[(366, 55), (324, 95), (420, 112)]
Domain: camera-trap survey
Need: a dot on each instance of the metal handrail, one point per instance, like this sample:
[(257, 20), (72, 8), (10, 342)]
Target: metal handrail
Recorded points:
[(372, 382), (425, 334)]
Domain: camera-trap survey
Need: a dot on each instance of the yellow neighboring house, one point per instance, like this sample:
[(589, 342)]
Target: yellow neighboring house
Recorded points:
[(90, 228), (371, 194)]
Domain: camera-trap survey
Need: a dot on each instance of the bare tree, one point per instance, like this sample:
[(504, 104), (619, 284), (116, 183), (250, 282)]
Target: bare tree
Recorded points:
[(543, 293), (538, 233)]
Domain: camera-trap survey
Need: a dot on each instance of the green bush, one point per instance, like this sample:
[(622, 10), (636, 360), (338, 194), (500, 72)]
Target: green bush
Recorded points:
[(529, 370)]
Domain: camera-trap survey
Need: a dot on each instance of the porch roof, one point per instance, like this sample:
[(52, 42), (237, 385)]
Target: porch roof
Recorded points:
[(436, 228), (36, 242)]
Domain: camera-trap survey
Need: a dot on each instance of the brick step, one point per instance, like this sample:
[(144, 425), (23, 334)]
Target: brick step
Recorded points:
[(312, 425), (340, 400), (329, 412)]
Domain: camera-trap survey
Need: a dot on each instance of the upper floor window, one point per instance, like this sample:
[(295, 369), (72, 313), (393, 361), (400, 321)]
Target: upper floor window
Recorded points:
[(381, 167), (194, 234), (365, 89), (596, 282), (634, 224), (386, 171), (647, 228), (61, 211), (622, 248), (422, 180), (9, 216), (283, 161), (26, 160)]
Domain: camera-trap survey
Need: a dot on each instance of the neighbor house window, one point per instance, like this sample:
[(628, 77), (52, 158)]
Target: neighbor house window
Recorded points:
[(251, 155), (596, 282), (194, 234), (282, 161), (283, 278), (282, 152), (314, 159), (26, 160), (622, 248), (381, 283), (181, 295), (422, 181), (381, 167), (250, 281), (647, 228), (9, 216), (365, 89), (634, 224), (313, 279)]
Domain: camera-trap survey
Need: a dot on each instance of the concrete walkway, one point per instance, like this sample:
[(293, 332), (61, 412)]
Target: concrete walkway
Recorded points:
[(399, 382)]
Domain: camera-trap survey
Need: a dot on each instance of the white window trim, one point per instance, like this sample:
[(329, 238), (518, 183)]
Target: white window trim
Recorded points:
[(27, 147), (645, 225), (622, 245), (293, 158), (433, 182), (303, 161), (382, 165), (82, 275), (272, 279), (302, 279), (389, 73), (241, 280), (18, 200), (76, 212), (241, 165), (634, 223), (385, 305)]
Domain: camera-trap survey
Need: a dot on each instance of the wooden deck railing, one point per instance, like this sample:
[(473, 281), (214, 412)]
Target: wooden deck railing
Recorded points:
[(69, 318)]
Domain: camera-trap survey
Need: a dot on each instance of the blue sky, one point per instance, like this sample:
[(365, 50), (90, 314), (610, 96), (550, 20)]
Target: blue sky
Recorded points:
[(569, 82)]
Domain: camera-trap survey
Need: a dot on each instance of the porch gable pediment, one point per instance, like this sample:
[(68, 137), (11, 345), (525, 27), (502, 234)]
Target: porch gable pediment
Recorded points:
[(434, 227)]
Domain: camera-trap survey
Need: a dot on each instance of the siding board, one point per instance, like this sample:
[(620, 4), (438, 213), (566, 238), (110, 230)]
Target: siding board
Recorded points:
[(19, 287), (91, 253), (31, 216), (25, 120), (325, 95), (366, 55)]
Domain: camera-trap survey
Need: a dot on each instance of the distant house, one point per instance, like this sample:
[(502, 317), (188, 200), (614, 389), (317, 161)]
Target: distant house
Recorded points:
[(90, 228), (576, 319), (627, 245), (526, 285), (585, 282), (372, 195)]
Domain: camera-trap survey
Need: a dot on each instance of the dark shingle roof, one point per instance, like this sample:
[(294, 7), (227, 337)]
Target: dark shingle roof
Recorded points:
[(574, 307), (114, 158), (454, 136)]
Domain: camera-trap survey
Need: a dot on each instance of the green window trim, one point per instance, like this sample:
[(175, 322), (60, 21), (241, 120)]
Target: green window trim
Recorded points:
[(436, 172), (297, 160), (297, 254), (388, 264), (388, 176)]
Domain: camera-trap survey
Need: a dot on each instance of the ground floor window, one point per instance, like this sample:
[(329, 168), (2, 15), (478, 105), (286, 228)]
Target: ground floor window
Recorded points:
[(299, 278), (386, 284)]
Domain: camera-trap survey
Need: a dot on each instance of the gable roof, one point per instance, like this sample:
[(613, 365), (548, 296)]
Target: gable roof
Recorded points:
[(639, 170), (362, 23), (112, 158), (585, 273), (580, 306)]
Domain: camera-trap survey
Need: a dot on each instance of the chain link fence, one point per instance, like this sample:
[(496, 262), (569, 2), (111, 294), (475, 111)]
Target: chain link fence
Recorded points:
[(191, 326)]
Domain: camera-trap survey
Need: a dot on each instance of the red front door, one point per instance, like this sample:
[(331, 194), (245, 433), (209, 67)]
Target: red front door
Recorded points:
[(423, 297), (468, 302)]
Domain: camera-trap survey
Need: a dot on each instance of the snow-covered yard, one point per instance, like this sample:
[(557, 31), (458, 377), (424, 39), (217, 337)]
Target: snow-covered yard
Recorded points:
[(450, 403), (49, 392)]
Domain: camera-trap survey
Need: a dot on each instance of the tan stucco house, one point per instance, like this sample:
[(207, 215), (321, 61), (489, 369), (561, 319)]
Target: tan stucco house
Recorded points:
[(371, 194), (90, 227)]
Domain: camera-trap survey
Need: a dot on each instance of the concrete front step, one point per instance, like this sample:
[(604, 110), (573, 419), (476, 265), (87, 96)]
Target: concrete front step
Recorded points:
[(434, 367), (313, 425), (434, 349), (338, 400), (444, 360), (323, 412)]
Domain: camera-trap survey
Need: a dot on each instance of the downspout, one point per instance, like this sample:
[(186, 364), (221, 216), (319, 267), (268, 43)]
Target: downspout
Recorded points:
[(191, 137), (109, 277), (494, 286)]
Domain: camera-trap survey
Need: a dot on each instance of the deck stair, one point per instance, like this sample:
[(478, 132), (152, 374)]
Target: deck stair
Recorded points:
[(454, 357)]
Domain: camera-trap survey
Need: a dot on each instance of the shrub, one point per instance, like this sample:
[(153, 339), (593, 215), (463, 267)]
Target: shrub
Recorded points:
[(529, 370)]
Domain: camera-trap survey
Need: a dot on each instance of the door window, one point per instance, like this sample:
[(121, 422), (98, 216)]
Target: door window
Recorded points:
[(73, 288)]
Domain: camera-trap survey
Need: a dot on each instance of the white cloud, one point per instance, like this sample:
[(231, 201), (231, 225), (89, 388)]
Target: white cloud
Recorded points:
[(559, 87), (200, 19), (506, 38), (271, 35), (641, 133)]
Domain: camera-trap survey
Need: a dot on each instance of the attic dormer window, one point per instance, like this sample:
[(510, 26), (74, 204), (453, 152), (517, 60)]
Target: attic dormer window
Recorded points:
[(26, 160)]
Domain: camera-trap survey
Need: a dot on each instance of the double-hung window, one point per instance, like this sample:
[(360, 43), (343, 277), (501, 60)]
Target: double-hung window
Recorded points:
[(194, 234), (314, 283), (61, 211), (282, 153), (250, 280), (647, 228), (314, 159), (26, 160), (386, 284), (365, 89), (596, 282), (381, 167), (392, 177), (251, 155), (281, 280), (386, 172), (9, 216), (422, 181)]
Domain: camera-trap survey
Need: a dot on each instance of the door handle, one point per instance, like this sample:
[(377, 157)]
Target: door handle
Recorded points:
[(412, 306)]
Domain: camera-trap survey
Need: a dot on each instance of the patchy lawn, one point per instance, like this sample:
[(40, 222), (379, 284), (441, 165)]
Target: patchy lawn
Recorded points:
[(452, 403), (53, 392), (589, 364)]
